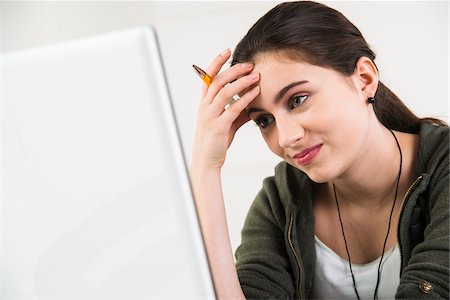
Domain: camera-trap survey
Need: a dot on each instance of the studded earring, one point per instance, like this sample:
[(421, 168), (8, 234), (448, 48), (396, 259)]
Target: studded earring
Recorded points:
[(371, 100)]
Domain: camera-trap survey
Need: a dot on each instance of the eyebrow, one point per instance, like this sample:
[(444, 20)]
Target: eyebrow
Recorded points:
[(279, 95)]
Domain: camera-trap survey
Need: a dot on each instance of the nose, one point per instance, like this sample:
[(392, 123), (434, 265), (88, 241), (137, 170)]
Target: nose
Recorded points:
[(290, 132)]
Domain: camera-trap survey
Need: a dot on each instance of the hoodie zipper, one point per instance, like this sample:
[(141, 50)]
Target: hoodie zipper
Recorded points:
[(297, 259), (405, 198)]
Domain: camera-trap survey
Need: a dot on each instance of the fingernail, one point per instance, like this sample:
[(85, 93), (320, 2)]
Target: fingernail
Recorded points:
[(255, 90), (225, 52), (247, 65), (253, 76)]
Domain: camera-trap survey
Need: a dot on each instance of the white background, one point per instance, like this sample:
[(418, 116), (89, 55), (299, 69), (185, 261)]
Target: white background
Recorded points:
[(410, 39)]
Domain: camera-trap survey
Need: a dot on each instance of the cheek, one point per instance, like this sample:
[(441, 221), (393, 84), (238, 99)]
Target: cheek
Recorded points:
[(345, 129), (271, 139), (341, 114)]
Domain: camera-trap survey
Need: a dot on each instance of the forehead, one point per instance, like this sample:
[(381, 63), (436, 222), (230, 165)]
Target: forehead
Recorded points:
[(274, 60), (278, 68), (275, 69)]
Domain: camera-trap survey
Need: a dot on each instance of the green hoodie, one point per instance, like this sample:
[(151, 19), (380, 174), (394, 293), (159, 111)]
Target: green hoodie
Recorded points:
[(276, 258)]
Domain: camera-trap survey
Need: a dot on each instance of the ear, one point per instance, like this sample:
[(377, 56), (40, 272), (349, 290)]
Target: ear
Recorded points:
[(366, 76)]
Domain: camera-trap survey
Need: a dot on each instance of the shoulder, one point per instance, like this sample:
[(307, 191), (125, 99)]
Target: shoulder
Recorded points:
[(434, 160), (430, 231), (288, 183), (280, 192), (434, 148)]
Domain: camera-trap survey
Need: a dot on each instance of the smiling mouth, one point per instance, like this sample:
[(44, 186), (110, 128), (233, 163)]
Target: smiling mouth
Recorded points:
[(307, 156)]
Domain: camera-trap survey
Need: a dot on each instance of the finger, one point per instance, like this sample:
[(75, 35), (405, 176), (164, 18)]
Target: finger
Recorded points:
[(216, 65), (241, 120), (233, 112), (226, 94), (218, 62), (230, 75)]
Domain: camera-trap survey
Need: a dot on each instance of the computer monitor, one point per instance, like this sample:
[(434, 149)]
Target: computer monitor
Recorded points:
[(96, 200)]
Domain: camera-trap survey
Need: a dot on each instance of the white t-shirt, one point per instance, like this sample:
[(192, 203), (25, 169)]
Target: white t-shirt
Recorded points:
[(333, 280)]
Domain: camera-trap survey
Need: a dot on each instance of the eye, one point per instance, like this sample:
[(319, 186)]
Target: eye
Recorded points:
[(264, 121), (296, 101)]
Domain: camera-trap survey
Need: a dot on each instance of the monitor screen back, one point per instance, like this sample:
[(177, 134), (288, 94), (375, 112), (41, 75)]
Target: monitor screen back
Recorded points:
[(96, 201)]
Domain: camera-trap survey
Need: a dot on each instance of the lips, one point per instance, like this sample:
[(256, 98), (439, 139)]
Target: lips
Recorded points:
[(307, 156)]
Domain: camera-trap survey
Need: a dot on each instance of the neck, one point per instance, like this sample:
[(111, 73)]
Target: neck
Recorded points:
[(364, 185)]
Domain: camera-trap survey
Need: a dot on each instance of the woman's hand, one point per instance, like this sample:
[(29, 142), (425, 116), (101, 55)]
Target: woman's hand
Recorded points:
[(217, 126)]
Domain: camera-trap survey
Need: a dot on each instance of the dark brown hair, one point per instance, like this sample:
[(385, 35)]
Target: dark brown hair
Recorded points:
[(319, 35)]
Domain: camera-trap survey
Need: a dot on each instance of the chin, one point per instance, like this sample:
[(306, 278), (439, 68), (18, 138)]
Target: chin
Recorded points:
[(318, 178), (316, 174)]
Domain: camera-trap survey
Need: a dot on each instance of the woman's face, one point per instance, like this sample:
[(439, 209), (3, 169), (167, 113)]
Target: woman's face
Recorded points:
[(314, 118)]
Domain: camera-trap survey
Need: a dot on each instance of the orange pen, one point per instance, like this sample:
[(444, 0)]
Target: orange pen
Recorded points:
[(203, 75), (208, 79)]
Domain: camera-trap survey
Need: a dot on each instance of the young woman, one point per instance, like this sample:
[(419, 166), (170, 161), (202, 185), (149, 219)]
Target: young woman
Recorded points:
[(360, 206)]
